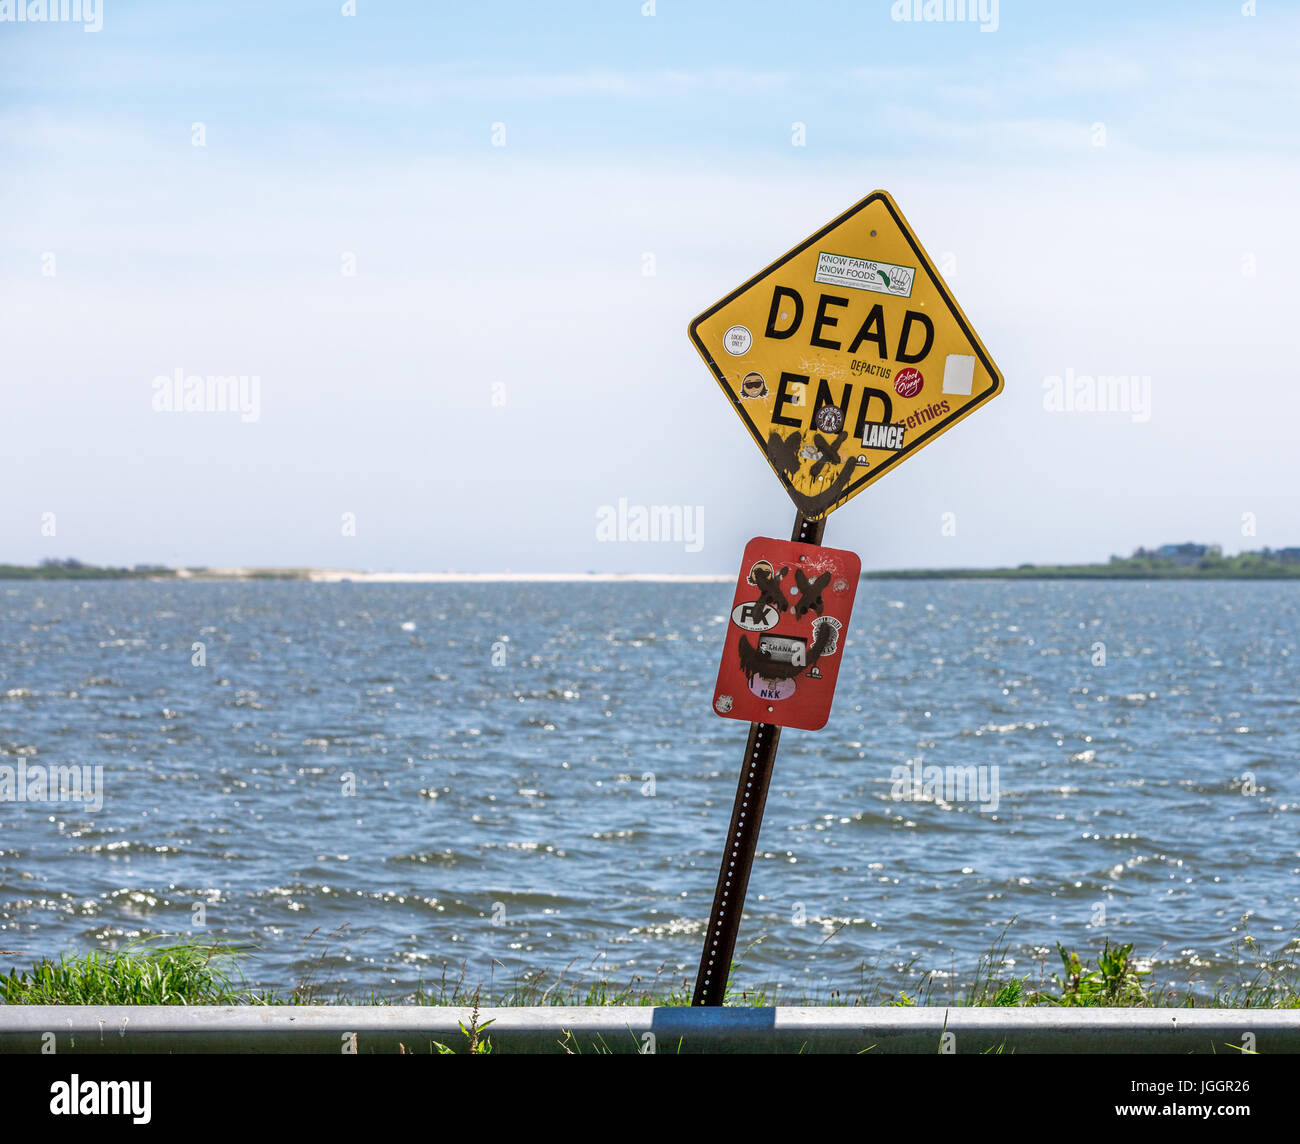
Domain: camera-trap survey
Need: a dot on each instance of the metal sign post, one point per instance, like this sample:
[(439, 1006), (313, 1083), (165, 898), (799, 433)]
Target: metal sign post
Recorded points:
[(844, 358), (742, 837)]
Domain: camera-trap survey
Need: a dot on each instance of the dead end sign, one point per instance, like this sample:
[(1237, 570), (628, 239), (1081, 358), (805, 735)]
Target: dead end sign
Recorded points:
[(846, 355)]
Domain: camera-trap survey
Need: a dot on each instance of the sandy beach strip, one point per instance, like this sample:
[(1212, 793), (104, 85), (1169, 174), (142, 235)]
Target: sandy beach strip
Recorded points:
[(334, 576)]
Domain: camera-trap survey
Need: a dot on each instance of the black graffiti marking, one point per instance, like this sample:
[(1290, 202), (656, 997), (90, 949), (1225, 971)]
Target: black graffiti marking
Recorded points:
[(830, 453), (825, 635), (814, 506), (784, 455), (770, 594), (785, 452), (834, 626), (810, 595), (754, 661)]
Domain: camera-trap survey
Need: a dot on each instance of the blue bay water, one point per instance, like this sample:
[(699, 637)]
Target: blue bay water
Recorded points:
[(539, 784)]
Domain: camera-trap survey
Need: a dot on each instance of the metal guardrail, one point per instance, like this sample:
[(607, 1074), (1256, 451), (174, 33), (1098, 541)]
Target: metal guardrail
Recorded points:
[(632, 1029)]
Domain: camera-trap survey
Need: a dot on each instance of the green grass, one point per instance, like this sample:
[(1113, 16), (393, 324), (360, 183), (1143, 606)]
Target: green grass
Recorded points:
[(195, 973), (179, 974)]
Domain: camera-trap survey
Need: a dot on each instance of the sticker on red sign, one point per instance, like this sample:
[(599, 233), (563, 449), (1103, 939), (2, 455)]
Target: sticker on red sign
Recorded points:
[(785, 633)]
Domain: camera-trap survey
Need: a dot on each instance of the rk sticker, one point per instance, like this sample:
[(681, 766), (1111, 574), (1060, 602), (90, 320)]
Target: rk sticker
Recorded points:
[(784, 641)]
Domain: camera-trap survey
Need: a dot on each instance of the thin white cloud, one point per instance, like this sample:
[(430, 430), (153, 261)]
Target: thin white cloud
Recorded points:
[(460, 82)]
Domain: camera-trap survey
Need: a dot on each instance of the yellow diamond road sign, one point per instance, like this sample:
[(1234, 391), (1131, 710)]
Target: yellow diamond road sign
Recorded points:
[(846, 355)]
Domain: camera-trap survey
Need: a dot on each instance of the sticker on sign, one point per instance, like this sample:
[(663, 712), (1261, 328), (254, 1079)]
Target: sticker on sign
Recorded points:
[(863, 274)]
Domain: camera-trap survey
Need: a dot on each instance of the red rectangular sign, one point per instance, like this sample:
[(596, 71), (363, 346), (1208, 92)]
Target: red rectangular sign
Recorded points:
[(785, 634)]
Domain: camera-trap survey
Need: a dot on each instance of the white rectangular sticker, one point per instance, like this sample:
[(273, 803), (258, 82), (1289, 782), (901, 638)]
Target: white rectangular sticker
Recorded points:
[(864, 274), (958, 374)]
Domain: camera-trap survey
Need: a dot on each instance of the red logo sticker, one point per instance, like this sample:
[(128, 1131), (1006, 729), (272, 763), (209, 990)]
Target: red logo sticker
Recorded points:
[(908, 382)]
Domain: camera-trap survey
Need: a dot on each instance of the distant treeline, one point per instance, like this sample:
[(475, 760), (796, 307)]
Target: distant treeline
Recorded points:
[(76, 570), (1247, 566)]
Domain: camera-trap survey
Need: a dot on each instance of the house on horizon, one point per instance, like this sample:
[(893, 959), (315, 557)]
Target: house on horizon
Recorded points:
[(1183, 554), (1281, 555)]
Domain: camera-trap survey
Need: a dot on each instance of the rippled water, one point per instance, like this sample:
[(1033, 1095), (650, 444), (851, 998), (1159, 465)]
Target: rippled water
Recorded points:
[(539, 782)]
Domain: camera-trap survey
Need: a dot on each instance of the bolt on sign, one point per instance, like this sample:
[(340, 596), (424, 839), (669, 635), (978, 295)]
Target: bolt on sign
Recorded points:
[(846, 356), (789, 618)]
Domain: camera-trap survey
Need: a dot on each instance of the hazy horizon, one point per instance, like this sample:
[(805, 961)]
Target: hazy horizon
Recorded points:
[(700, 573)]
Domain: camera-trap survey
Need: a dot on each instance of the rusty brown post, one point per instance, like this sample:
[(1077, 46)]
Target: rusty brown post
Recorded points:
[(742, 836)]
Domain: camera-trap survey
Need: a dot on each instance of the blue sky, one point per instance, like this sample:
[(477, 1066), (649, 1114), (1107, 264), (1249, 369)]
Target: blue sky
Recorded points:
[(500, 366)]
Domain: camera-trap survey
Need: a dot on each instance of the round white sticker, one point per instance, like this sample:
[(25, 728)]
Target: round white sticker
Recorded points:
[(737, 340), (753, 618)]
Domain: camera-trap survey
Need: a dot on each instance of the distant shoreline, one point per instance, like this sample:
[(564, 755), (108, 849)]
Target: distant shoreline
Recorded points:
[(1230, 568), (331, 576), (346, 576), (1012, 574)]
